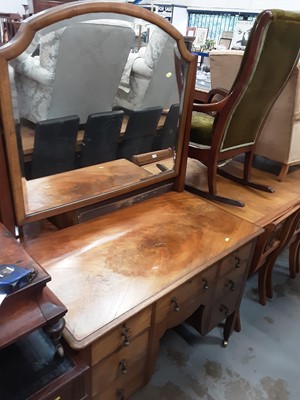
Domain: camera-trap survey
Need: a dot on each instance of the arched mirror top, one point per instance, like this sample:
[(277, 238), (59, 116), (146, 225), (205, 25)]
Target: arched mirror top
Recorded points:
[(95, 104)]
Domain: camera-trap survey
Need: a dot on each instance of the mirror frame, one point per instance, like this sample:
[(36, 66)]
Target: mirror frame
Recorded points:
[(22, 40)]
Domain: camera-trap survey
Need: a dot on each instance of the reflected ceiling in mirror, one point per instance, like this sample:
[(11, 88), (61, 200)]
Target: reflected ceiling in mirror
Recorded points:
[(97, 99)]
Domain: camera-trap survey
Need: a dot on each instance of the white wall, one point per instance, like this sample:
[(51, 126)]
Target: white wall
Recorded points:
[(14, 6)]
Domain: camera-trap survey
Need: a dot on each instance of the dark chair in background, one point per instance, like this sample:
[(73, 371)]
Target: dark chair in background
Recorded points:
[(54, 146), (230, 127), (167, 136), (139, 135), (101, 138), (9, 25)]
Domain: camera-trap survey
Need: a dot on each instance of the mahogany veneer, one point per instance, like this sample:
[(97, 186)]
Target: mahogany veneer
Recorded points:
[(128, 276)]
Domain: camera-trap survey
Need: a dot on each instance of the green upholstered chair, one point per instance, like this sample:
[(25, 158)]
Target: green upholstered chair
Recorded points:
[(221, 130)]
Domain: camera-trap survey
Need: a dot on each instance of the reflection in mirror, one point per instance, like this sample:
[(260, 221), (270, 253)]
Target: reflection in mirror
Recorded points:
[(97, 101)]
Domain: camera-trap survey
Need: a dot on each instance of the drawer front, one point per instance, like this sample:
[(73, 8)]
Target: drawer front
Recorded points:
[(236, 262), (74, 391), (230, 283), (122, 390), (65, 394), (189, 294), (121, 336), (223, 308), (121, 365)]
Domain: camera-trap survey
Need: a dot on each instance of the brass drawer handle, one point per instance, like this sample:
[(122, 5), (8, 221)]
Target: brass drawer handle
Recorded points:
[(224, 309), (120, 394), (123, 366), (237, 262), (175, 302), (231, 284), (205, 284), (125, 333)]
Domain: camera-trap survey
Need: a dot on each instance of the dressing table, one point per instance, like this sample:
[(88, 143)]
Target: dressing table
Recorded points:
[(129, 252)]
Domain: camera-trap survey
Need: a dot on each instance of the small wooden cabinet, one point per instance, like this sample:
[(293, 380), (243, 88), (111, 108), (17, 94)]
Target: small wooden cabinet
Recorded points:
[(36, 367)]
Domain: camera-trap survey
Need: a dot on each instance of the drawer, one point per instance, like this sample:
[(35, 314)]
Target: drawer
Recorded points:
[(236, 262), (121, 365), (124, 390), (121, 336), (229, 283), (74, 391), (65, 394), (186, 297), (224, 307)]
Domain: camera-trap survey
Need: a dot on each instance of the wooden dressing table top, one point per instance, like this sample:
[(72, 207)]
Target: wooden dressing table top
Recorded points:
[(108, 269), (261, 207)]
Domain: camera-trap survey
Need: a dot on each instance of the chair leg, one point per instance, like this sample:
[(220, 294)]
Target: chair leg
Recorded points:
[(214, 197), (238, 326), (269, 278), (283, 172), (294, 257), (262, 277), (245, 182)]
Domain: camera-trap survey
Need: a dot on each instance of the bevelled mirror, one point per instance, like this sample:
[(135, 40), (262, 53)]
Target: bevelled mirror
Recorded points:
[(95, 104)]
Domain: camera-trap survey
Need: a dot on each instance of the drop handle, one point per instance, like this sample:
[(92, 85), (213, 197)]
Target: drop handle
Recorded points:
[(205, 284), (175, 303), (120, 394), (237, 262), (231, 285), (125, 332), (224, 309), (123, 367)]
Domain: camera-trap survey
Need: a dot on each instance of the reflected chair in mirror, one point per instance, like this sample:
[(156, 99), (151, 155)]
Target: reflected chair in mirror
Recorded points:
[(166, 137), (54, 146), (149, 77), (46, 88), (101, 138), (140, 131), (230, 127)]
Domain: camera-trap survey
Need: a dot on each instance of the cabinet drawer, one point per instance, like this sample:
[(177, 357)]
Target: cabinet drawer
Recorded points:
[(183, 298), (236, 262), (229, 283), (223, 308), (122, 390), (121, 365), (71, 391), (121, 336)]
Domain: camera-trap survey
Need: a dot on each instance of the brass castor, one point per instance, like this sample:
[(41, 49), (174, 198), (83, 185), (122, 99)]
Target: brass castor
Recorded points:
[(60, 351), (225, 343)]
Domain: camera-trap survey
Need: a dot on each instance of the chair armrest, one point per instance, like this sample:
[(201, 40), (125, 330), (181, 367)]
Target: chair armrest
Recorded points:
[(31, 68), (200, 96), (140, 67), (210, 107), (219, 92)]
